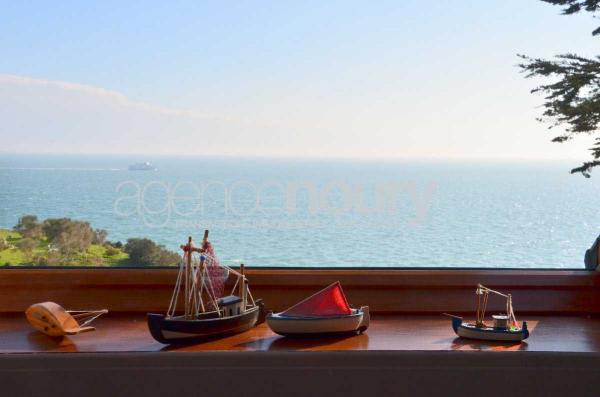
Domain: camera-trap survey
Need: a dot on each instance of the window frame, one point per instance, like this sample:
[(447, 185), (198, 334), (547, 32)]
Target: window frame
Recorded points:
[(383, 290)]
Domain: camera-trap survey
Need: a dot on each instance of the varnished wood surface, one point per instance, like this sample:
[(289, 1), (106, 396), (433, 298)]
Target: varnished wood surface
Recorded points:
[(129, 333), (384, 291)]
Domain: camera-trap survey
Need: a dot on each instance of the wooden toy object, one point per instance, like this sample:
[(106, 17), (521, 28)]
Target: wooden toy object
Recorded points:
[(52, 319), (325, 313), (206, 312), (504, 327)]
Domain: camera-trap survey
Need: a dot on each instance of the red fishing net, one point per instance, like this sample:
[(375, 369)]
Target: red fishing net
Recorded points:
[(330, 301), (215, 273)]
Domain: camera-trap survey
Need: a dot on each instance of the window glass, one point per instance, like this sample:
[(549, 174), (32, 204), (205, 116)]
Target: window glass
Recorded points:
[(337, 134)]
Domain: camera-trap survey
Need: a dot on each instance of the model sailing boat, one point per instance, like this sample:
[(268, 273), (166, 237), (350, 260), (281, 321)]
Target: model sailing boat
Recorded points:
[(504, 328), (207, 313), (326, 312)]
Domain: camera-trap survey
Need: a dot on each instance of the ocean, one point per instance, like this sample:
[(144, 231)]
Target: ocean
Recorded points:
[(321, 213)]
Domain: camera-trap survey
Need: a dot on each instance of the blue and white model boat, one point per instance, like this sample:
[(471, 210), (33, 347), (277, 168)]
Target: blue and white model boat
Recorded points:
[(504, 327)]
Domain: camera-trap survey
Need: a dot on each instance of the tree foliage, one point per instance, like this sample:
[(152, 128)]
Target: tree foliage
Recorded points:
[(145, 252), (28, 226), (68, 235), (65, 241), (574, 6), (100, 236), (572, 98), (27, 245)]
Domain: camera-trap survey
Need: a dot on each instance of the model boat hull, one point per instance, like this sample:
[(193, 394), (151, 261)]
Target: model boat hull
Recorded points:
[(209, 326), (356, 322), (470, 331)]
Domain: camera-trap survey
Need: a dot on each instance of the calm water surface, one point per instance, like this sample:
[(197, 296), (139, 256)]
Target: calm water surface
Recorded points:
[(321, 213)]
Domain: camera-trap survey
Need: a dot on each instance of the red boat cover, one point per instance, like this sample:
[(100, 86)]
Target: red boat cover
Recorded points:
[(330, 301)]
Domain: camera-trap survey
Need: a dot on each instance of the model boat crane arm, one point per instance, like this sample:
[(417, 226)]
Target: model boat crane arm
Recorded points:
[(482, 293)]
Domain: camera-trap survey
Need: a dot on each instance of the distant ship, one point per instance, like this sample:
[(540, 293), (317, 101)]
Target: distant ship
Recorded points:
[(147, 166)]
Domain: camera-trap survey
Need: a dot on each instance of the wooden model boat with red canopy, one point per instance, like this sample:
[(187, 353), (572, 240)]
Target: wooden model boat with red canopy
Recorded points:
[(325, 313)]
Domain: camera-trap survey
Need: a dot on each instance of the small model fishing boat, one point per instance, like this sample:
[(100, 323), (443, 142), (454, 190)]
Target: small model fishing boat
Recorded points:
[(325, 313), (504, 328), (52, 319), (207, 313)]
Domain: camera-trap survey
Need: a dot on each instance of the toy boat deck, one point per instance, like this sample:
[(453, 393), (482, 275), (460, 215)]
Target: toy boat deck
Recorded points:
[(356, 322), (206, 326)]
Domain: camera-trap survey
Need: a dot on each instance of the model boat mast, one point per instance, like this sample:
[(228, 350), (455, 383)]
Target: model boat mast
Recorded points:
[(197, 277)]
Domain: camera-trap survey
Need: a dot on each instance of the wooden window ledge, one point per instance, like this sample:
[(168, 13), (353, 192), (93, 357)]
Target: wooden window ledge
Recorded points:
[(400, 355), (129, 333)]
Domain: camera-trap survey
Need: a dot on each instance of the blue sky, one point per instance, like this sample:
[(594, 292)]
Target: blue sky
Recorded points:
[(281, 78)]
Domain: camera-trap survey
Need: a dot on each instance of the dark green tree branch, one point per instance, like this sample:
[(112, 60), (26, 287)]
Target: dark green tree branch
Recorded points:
[(572, 98)]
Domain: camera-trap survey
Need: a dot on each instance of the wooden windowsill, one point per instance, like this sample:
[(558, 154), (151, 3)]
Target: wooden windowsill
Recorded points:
[(129, 333), (398, 355)]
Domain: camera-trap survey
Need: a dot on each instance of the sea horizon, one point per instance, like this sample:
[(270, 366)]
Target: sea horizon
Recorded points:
[(342, 213)]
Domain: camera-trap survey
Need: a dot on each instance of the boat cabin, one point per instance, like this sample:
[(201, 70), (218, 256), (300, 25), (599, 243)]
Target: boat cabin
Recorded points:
[(500, 321), (231, 305)]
